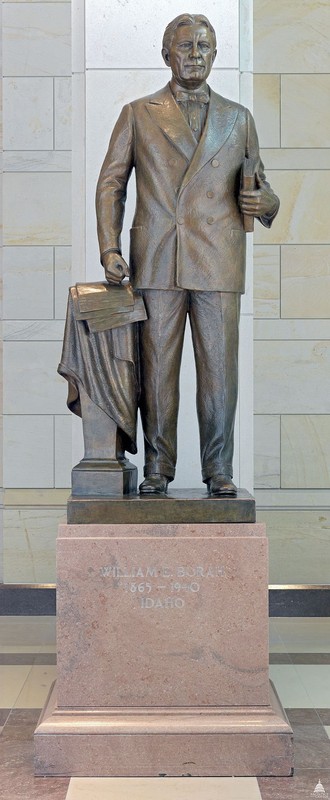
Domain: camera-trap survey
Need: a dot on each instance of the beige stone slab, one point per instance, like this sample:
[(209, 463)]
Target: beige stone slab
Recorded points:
[(36, 687), (29, 544), (266, 110), (31, 382), (293, 498), (12, 679), (292, 329), (305, 451), (299, 158), (46, 218), (171, 789), (299, 547), (35, 497), (305, 635), (267, 446), (33, 267), (183, 621), (266, 283), (37, 161), (299, 191), (27, 631), (28, 113), (36, 39), (305, 110), (24, 434), (293, 378), (305, 281), (63, 280), (283, 45), (33, 330)]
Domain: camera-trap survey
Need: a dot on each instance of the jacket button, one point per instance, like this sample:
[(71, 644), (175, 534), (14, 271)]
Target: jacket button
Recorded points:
[(209, 194), (172, 162), (210, 220), (215, 162), (180, 221)]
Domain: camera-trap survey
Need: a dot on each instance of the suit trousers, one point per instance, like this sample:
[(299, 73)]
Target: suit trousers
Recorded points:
[(214, 321)]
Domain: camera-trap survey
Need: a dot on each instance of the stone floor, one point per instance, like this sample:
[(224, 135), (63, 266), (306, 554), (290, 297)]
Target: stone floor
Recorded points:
[(300, 669)]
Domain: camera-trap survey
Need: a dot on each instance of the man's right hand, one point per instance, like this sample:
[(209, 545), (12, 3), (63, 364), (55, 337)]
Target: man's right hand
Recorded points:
[(115, 268)]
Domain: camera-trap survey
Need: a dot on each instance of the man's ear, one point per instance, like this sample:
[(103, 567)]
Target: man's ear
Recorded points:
[(214, 55), (166, 56)]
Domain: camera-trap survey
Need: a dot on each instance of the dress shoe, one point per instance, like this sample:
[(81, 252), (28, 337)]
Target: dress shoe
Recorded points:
[(221, 486), (154, 484)]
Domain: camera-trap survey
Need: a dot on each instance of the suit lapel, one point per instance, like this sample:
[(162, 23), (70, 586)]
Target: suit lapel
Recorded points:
[(219, 124), (167, 115)]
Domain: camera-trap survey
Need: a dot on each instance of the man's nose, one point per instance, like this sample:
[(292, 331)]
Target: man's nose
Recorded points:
[(194, 51)]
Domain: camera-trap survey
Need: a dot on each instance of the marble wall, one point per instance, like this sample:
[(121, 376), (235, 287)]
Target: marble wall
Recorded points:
[(36, 266), (292, 287)]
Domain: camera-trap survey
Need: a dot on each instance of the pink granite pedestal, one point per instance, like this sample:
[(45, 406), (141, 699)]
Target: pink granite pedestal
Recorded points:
[(163, 655)]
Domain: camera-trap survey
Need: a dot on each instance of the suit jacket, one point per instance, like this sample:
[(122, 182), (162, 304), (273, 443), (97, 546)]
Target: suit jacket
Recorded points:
[(187, 230)]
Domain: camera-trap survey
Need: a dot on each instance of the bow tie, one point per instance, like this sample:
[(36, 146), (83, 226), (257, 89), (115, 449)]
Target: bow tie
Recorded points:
[(199, 97)]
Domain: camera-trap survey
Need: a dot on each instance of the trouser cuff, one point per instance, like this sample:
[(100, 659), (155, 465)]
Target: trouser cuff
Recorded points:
[(216, 469)]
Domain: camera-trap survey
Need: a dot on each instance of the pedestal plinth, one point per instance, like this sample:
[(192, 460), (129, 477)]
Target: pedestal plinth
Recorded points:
[(163, 654)]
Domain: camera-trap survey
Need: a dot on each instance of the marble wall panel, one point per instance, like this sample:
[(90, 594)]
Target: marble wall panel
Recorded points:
[(28, 451), (36, 39), (63, 110), (292, 377), (291, 37), (305, 281), (283, 329), (266, 265), (296, 158), (305, 110), (63, 450), (28, 282), (28, 113), (299, 192), (37, 161), (63, 280), (29, 544), (37, 208), (18, 330), (31, 382), (113, 37), (305, 451), (267, 451), (266, 109), (299, 545), (292, 498)]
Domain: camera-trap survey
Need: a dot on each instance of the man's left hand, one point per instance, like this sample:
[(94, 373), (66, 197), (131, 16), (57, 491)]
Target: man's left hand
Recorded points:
[(258, 202)]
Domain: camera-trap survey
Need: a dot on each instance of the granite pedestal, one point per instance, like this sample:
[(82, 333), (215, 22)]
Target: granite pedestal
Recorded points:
[(163, 650)]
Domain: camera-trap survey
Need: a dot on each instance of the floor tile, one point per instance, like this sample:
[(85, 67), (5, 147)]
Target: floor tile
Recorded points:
[(303, 716), (21, 631), (301, 635), (311, 746), (163, 789), (316, 681), (324, 714), (327, 730), (27, 658), (289, 687), (17, 779), (12, 679), (300, 787), (36, 688)]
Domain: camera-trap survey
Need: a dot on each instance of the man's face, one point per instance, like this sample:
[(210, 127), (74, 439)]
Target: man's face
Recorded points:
[(191, 55)]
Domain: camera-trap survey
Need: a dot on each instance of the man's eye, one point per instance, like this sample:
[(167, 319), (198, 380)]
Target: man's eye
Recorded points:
[(204, 47)]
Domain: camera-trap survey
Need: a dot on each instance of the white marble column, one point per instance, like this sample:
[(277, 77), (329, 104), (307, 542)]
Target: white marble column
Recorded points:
[(117, 58)]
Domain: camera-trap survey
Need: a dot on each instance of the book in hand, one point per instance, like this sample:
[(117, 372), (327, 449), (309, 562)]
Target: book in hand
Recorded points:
[(248, 183)]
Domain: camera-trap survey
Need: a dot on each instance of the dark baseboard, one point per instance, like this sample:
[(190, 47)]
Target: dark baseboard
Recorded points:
[(23, 600)]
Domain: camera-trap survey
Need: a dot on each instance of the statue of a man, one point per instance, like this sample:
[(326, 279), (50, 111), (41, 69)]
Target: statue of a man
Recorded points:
[(187, 254)]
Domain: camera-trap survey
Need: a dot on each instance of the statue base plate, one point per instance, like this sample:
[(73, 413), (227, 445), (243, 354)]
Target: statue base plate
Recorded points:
[(159, 742), (179, 505)]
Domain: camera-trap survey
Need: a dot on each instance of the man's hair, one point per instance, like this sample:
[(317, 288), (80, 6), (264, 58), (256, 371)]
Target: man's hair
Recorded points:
[(186, 19)]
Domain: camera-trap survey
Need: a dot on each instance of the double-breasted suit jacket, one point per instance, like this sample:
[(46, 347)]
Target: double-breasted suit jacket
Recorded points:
[(187, 229), (187, 234)]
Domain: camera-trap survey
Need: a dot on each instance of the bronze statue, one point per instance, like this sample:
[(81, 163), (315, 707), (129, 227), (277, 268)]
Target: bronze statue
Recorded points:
[(187, 252)]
